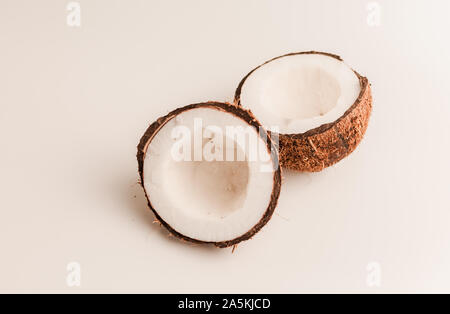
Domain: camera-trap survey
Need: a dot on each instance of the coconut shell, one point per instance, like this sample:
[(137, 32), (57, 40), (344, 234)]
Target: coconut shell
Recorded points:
[(243, 114), (327, 144)]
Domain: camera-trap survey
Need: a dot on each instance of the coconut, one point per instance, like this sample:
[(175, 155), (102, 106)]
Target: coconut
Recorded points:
[(210, 173), (319, 106)]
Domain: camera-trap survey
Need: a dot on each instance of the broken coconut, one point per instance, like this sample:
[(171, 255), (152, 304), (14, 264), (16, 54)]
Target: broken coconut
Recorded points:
[(319, 106), (203, 178)]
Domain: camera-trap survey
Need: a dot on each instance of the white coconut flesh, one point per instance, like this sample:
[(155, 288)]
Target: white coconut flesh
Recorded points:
[(215, 200), (300, 92)]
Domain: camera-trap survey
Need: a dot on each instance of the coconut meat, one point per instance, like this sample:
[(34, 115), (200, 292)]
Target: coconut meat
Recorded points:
[(210, 201), (297, 93)]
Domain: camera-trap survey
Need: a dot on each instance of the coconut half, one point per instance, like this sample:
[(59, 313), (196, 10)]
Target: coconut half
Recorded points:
[(210, 173), (319, 106)]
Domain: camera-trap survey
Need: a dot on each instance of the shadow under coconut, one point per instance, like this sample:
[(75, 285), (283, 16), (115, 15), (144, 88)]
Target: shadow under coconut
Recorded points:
[(143, 214), (302, 178)]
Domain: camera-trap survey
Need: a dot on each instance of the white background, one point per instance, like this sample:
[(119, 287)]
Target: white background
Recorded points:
[(74, 102)]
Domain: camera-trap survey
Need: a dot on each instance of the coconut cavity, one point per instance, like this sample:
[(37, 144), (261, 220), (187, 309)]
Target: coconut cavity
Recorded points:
[(210, 188), (300, 92), (201, 177), (318, 105)]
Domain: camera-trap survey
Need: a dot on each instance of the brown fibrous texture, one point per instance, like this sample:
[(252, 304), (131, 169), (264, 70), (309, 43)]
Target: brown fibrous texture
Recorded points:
[(243, 114), (327, 144)]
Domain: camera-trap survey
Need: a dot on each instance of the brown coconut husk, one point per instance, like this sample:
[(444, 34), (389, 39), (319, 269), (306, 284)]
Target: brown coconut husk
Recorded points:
[(327, 144), (243, 114)]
